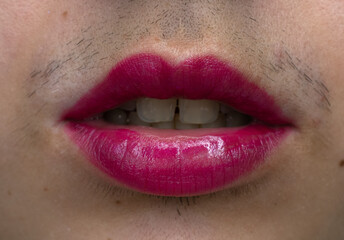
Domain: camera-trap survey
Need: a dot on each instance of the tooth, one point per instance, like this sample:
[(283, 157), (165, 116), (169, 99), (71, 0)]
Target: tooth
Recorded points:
[(236, 119), (164, 125), (183, 126), (198, 111), (129, 106), (219, 123), (134, 119), (116, 116), (156, 110)]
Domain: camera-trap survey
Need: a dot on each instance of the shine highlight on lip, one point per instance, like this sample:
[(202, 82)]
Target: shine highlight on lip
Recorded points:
[(176, 162)]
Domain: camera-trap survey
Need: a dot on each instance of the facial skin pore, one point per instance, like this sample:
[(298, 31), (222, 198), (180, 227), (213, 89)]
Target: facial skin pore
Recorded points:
[(53, 52)]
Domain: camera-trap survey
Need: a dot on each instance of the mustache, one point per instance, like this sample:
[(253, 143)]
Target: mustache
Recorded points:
[(102, 43)]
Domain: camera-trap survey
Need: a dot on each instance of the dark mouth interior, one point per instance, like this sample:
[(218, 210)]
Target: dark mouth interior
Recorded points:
[(128, 114)]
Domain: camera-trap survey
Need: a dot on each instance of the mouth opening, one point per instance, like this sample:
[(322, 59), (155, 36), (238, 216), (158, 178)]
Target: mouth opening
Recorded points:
[(174, 113)]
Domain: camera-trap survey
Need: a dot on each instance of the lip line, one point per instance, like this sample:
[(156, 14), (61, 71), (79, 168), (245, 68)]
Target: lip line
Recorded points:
[(144, 161)]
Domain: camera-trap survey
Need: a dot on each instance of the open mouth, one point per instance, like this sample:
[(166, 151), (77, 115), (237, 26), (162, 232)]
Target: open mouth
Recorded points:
[(182, 130), (180, 114)]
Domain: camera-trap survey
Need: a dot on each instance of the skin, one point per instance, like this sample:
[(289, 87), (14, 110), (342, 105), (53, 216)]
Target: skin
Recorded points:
[(53, 52)]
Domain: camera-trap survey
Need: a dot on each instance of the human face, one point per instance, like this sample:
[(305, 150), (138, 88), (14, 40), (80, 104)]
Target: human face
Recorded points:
[(55, 52)]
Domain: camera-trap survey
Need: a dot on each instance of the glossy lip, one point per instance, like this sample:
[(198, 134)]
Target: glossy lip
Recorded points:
[(174, 162)]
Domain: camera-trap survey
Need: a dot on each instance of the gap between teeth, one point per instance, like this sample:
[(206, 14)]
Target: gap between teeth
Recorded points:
[(176, 114)]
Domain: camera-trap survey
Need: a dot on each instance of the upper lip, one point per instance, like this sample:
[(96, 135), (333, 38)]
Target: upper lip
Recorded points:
[(181, 163), (147, 75)]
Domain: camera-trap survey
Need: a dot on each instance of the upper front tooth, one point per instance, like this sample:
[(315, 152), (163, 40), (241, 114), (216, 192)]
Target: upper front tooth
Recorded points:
[(219, 123), (133, 119), (184, 126), (156, 110), (198, 111)]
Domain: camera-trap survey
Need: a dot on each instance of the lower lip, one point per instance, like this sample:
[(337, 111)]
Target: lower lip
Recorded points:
[(176, 162)]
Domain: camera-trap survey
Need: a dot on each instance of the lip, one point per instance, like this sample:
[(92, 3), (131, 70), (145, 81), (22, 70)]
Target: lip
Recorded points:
[(177, 162)]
